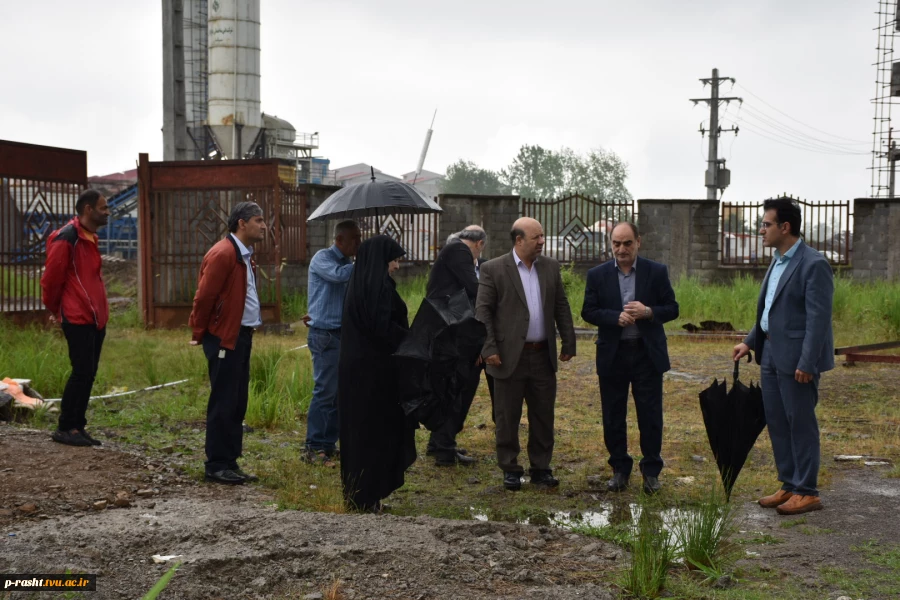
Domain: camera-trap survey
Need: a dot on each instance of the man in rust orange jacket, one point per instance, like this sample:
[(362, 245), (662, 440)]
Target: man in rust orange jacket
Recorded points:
[(226, 312), (74, 293)]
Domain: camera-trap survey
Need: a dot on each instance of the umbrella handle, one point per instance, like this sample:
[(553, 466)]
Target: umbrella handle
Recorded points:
[(737, 364)]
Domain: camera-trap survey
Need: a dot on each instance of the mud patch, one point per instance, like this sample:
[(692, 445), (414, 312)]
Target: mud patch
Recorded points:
[(236, 545)]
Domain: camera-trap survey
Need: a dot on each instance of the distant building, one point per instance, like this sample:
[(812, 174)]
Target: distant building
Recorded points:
[(113, 183), (428, 182), (360, 173)]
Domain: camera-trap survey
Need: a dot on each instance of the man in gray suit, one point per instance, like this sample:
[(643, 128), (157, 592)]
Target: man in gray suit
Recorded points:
[(794, 345), (521, 301)]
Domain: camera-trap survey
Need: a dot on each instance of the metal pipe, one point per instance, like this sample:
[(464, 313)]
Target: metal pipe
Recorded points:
[(235, 85)]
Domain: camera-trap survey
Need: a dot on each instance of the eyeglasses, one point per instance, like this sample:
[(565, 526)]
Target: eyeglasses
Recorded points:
[(767, 224)]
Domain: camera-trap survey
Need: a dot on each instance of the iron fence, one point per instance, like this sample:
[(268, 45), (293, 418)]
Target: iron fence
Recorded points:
[(577, 227), (418, 234), (39, 187), (825, 226)]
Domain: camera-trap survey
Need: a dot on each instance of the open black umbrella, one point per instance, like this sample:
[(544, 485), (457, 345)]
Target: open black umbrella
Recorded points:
[(374, 198), (733, 422), (432, 356)]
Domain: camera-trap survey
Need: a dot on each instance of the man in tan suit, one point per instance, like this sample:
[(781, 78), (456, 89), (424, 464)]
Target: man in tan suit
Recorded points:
[(521, 301)]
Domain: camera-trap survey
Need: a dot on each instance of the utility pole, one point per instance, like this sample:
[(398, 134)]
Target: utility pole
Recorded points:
[(717, 176)]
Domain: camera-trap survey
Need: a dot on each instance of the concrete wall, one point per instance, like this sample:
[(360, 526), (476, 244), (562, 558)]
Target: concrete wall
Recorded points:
[(683, 234), (495, 214), (876, 239)]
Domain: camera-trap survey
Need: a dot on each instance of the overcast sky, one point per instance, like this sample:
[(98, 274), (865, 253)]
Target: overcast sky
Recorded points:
[(367, 75)]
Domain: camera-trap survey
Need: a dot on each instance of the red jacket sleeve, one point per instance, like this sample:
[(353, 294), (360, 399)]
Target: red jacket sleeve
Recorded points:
[(213, 273), (59, 255)]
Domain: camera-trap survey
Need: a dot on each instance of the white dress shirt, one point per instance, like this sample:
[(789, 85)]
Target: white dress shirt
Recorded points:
[(536, 331)]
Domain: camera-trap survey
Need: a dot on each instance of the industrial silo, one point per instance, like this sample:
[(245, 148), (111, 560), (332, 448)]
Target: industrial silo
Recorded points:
[(234, 116)]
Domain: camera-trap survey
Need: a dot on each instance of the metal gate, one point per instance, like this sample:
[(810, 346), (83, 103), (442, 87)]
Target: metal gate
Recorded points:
[(577, 227), (183, 211), (826, 227), (39, 186)]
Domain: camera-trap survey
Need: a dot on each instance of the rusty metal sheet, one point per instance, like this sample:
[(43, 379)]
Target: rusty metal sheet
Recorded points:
[(872, 358), (866, 348), (44, 163), (212, 175)]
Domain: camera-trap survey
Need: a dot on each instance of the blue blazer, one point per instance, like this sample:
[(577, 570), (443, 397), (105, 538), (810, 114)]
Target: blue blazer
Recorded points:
[(800, 317), (603, 305)]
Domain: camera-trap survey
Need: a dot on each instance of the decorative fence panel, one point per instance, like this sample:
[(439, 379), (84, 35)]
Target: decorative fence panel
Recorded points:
[(39, 186), (577, 227), (418, 234), (826, 226)]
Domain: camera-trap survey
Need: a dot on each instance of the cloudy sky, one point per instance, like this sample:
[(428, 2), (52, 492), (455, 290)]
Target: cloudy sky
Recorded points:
[(368, 74)]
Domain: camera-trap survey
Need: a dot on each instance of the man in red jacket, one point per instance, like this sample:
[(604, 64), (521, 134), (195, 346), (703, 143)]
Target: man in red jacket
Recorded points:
[(74, 293), (225, 314)]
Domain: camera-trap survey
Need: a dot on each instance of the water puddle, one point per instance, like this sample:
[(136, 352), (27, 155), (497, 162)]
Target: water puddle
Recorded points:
[(608, 515), (681, 376)]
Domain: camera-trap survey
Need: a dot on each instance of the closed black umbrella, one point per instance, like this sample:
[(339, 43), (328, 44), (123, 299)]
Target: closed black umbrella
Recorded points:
[(433, 355), (374, 198), (733, 420)]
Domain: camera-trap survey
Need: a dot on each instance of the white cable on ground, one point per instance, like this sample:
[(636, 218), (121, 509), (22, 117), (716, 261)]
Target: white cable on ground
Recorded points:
[(117, 394), (298, 347)]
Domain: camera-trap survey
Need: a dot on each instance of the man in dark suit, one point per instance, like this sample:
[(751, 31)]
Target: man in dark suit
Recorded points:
[(454, 270), (522, 302), (794, 345), (629, 299)]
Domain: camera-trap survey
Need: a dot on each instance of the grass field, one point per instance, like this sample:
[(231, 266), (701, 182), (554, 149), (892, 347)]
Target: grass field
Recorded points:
[(859, 414)]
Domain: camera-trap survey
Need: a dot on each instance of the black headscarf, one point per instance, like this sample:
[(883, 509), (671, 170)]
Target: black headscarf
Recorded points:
[(368, 299)]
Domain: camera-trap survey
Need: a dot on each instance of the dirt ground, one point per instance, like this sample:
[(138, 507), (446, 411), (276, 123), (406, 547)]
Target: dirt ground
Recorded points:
[(236, 545), (58, 511)]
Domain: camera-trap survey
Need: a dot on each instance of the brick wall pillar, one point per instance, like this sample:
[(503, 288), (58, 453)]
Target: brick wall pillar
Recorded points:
[(495, 213), (876, 239), (683, 234)]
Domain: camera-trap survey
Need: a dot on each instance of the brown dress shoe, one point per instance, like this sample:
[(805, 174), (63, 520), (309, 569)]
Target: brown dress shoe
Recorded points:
[(798, 505), (776, 499)]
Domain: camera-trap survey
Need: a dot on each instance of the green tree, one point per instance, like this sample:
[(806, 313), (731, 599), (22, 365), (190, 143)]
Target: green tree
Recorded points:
[(536, 173), (465, 177), (539, 173), (599, 173)]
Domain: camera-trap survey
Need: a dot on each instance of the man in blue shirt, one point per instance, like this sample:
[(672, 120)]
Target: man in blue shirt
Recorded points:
[(794, 345), (329, 272)]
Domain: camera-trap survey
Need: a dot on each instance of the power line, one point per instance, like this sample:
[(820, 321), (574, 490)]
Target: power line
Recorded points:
[(784, 142), (799, 121), (786, 135), (790, 131)]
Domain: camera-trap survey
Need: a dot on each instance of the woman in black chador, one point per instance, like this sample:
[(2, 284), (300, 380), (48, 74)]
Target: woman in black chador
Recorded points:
[(377, 439)]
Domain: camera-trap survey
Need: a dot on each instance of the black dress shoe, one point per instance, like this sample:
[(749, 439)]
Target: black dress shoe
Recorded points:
[(89, 438), (543, 478), (225, 476), (456, 459), (248, 477), (618, 482), (69, 438), (431, 451), (651, 484), (512, 481)]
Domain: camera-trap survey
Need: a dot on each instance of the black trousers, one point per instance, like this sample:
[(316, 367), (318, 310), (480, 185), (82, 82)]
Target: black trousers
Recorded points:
[(229, 380), (85, 343), (443, 439), (632, 367)]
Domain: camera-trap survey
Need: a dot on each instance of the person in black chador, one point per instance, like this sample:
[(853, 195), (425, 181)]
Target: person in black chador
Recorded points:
[(377, 439)]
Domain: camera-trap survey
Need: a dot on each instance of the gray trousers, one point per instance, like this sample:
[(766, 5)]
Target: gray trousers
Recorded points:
[(791, 419), (533, 380)]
